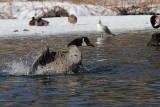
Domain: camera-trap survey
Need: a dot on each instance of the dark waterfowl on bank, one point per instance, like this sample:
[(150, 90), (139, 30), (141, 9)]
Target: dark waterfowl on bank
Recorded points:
[(38, 22), (41, 22), (32, 22), (155, 21)]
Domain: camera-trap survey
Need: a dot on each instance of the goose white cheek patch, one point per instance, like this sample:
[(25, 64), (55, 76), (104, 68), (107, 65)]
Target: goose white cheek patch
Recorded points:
[(84, 43)]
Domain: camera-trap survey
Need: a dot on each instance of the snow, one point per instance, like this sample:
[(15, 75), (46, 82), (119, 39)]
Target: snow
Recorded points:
[(24, 10), (85, 24)]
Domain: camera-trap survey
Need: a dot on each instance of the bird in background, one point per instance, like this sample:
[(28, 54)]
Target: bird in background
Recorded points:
[(41, 22), (155, 21), (32, 22), (103, 29), (38, 22), (72, 19)]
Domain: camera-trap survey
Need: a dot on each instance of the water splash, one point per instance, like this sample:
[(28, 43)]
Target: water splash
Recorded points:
[(21, 68), (41, 71), (17, 68)]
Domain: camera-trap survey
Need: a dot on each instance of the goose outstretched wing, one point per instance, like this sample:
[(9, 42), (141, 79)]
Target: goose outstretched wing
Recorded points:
[(44, 57)]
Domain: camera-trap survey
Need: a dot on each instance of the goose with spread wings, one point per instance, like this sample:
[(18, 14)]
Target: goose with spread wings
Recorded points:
[(67, 62)]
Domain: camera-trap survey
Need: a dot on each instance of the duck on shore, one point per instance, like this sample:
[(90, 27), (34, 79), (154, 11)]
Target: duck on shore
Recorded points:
[(38, 22)]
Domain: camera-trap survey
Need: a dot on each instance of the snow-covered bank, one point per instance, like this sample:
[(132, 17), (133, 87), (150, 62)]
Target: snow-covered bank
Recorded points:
[(61, 26), (24, 10)]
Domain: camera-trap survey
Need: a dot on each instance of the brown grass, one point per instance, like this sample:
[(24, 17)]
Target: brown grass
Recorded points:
[(107, 2), (83, 1), (121, 7), (102, 2), (56, 12)]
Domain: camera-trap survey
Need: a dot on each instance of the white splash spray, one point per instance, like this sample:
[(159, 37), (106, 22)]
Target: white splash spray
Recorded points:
[(17, 68)]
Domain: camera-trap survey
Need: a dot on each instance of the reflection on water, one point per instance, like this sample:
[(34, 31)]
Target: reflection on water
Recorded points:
[(122, 72)]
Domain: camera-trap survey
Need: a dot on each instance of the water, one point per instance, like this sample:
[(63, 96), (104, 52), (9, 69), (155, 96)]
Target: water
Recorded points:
[(123, 72)]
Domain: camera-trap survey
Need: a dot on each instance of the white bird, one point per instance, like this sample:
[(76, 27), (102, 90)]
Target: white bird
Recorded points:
[(61, 62), (103, 29)]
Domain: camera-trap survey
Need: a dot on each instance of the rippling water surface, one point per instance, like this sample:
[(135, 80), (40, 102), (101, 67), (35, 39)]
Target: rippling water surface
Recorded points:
[(123, 72)]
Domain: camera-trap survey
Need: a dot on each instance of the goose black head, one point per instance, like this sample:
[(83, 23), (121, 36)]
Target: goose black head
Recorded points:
[(32, 22), (39, 19), (83, 41), (33, 18)]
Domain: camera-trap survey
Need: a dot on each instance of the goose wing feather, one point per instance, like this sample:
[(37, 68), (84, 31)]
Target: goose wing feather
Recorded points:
[(43, 52)]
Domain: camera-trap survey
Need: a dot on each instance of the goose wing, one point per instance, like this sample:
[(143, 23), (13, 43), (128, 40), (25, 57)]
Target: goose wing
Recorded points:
[(44, 57)]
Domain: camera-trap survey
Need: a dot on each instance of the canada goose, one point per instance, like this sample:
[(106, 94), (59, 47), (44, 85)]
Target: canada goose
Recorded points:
[(32, 22), (155, 21), (103, 29), (155, 40), (41, 22), (72, 19), (38, 22), (62, 62)]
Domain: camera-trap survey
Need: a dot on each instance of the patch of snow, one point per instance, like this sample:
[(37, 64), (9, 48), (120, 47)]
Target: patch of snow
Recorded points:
[(85, 24), (23, 10)]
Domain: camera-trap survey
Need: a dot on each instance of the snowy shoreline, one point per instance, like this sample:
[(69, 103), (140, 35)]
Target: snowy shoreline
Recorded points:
[(85, 25)]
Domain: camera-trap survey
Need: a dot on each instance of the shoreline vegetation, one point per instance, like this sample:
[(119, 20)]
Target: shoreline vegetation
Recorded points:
[(14, 8)]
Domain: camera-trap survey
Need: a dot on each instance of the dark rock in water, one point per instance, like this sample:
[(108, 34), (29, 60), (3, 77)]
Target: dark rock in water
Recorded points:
[(155, 40)]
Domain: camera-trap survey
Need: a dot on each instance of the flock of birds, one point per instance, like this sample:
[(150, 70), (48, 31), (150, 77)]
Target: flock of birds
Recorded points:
[(38, 22), (70, 62), (73, 20)]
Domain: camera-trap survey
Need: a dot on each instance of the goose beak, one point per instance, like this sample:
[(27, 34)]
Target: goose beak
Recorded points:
[(91, 45)]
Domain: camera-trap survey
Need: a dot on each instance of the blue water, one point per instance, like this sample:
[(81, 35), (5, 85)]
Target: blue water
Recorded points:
[(124, 72)]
